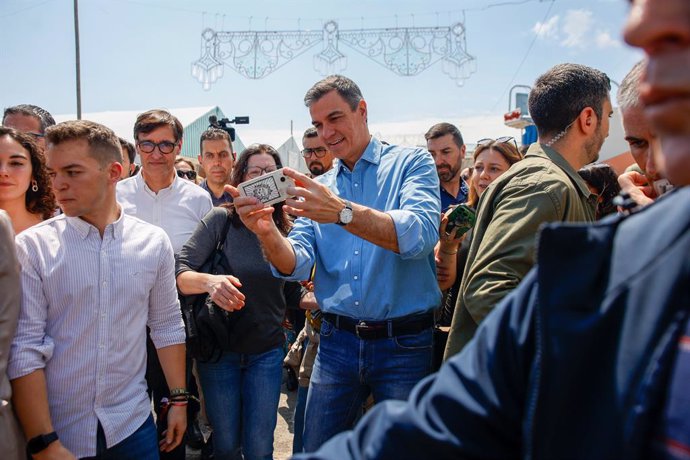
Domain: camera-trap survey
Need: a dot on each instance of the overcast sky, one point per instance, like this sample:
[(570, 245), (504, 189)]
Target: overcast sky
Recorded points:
[(137, 54)]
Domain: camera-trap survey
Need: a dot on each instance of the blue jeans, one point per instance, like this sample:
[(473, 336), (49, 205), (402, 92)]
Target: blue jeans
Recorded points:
[(298, 420), (140, 445), (242, 392), (347, 369)]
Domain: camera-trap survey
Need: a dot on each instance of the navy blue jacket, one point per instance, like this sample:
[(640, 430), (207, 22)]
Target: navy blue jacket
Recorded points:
[(573, 364)]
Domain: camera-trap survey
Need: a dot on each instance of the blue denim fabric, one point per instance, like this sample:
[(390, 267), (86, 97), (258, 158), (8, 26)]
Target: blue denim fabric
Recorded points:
[(242, 393), (140, 445), (347, 369), (298, 420)]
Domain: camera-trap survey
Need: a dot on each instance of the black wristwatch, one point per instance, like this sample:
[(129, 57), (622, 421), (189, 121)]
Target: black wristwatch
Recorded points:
[(40, 442), (345, 214)]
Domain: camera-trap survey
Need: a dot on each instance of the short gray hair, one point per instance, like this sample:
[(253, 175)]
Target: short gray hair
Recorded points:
[(628, 93)]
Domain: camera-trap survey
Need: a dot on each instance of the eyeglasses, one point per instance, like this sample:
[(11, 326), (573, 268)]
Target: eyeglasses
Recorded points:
[(501, 140), (318, 151), (191, 175), (164, 147), (255, 171)]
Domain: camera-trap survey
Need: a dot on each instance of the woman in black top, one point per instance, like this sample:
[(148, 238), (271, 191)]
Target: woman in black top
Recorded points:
[(242, 388)]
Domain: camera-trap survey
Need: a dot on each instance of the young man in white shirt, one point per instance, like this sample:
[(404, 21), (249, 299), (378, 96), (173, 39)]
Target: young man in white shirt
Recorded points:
[(93, 278)]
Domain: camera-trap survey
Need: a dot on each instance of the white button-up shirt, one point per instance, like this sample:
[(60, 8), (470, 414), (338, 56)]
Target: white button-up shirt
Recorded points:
[(177, 209), (85, 307)]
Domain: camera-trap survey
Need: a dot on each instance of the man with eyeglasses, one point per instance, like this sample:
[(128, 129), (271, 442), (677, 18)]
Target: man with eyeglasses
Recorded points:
[(217, 157), (444, 142), (317, 157), (157, 195), (29, 119), (571, 106)]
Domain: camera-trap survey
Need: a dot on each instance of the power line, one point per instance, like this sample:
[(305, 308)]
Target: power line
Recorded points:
[(412, 16), (21, 10), (529, 49)]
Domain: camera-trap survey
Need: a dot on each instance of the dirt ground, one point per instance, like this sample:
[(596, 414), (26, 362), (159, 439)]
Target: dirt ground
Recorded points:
[(282, 442)]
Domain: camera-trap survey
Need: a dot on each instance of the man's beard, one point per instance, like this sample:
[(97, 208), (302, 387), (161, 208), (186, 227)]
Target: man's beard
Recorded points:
[(316, 168), (446, 173), (593, 147)]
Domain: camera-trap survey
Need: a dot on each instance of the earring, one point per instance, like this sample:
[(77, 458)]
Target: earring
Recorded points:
[(34, 186)]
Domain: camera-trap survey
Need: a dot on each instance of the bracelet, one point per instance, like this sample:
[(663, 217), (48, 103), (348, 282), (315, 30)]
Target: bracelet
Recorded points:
[(449, 253), (174, 403), (178, 392)]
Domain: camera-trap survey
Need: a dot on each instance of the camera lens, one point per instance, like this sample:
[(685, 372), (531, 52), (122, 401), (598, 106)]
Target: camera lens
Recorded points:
[(282, 179)]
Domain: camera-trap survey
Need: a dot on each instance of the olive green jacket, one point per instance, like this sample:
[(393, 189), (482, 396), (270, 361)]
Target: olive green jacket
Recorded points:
[(541, 188)]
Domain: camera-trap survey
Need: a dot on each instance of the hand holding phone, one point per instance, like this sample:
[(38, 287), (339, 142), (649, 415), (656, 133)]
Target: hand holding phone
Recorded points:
[(460, 220)]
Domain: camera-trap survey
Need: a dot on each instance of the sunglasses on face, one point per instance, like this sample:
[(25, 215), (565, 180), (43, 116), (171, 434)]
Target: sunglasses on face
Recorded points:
[(164, 147), (500, 140), (318, 151), (191, 175)]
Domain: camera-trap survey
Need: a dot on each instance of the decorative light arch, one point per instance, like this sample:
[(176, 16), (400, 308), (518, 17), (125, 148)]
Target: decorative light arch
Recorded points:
[(406, 51)]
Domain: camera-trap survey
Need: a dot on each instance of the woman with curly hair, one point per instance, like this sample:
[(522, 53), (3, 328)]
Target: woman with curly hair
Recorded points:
[(25, 191)]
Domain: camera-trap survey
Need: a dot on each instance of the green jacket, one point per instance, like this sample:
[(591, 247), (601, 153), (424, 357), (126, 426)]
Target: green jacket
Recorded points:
[(541, 188)]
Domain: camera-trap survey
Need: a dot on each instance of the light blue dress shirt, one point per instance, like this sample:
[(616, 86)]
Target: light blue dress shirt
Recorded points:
[(359, 279)]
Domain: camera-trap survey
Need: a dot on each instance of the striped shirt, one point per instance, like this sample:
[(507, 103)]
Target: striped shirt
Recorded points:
[(86, 303)]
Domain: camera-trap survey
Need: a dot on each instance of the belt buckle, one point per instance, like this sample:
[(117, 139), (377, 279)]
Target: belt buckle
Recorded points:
[(361, 326)]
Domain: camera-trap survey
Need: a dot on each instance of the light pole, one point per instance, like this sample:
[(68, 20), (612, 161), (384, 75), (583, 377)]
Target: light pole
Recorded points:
[(76, 52)]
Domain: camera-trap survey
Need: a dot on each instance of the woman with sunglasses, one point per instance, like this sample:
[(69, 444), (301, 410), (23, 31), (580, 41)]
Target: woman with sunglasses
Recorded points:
[(185, 169), (492, 157), (25, 191), (242, 388)]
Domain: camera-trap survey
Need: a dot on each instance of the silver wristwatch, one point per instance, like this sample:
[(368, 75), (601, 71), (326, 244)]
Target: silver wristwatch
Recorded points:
[(345, 214)]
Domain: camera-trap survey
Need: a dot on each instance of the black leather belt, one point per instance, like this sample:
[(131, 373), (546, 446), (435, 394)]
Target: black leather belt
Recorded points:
[(369, 330)]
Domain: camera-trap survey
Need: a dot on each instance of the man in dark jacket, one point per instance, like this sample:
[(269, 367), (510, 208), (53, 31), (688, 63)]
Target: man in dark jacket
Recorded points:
[(590, 356)]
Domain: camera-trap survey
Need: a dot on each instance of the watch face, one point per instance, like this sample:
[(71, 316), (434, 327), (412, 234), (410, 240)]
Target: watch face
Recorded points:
[(346, 216)]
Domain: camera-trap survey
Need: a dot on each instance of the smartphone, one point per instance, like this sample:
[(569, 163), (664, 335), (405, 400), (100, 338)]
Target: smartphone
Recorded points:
[(662, 186), (270, 188), (460, 220)]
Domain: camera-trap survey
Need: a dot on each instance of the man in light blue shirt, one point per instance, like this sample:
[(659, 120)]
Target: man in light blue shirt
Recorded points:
[(369, 225)]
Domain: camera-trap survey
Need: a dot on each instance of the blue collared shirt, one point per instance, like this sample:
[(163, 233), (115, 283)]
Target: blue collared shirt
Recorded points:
[(359, 279), (448, 200), (224, 198)]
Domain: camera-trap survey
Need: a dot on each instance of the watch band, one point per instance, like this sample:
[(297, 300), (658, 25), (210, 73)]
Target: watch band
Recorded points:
[(41, 442)]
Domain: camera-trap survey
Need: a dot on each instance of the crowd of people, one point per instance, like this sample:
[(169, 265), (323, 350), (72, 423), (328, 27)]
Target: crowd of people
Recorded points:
[(554, 325)]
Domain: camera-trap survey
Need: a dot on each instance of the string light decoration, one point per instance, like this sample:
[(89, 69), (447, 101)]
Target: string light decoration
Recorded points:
[(406, 51)]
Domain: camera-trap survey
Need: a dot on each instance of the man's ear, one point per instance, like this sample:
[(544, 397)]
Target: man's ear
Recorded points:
[(587, 120), (362, 109), (114, 171)]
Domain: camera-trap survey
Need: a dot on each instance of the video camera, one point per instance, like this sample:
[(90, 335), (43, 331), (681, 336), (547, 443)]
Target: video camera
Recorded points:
[(224, 124)]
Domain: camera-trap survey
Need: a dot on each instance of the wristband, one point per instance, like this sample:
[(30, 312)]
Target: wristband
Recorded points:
[(178, 392)]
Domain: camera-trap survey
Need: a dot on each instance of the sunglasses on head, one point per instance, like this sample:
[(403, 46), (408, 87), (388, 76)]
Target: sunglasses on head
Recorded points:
[(191, 175), (501, 140)]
